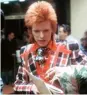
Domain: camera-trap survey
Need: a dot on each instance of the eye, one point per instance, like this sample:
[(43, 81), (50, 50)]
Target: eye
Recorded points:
[(46, 30), (36, 31)]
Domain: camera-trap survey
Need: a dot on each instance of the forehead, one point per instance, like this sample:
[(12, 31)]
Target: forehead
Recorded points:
[(60, 29), (42, 25), (12, 34)]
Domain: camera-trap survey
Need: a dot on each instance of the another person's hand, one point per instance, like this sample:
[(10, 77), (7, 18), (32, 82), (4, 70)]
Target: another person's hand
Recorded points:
[(34, 89), (52, 74), (53, 71)]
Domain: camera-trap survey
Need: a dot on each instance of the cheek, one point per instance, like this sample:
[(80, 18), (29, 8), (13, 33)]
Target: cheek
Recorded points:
[(49, 35), (61, 34), (66, 35), (34, 35)]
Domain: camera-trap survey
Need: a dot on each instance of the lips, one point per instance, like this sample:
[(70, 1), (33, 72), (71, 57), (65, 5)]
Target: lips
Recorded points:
[(41, 41)]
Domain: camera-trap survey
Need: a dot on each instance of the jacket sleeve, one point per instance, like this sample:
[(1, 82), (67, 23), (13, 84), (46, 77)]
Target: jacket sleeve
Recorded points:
[(23, 83)]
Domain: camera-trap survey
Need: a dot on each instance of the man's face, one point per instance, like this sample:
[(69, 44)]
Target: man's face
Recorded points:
[(42, 33), (62, 35), (11, 36), (84, 42)]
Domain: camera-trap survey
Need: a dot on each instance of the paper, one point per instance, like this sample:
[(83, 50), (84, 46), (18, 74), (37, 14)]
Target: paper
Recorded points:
[(43, 87), (39, 83)]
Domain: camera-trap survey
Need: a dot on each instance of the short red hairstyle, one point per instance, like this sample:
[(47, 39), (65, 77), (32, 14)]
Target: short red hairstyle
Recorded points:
[(41, 11)]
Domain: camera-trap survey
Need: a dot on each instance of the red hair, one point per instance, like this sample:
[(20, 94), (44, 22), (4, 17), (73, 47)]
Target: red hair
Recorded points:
[(41, 11)]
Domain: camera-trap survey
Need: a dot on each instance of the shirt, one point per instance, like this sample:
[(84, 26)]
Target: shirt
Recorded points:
[(70, 39)]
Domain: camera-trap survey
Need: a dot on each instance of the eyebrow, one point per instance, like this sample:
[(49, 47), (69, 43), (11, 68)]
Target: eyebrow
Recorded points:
[(40, 30)]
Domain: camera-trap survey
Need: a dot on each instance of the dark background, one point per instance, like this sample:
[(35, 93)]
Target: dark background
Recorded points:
[(19, 8)]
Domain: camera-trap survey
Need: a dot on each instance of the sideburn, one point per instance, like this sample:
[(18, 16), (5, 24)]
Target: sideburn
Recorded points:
[(31, 38), (52, 36)]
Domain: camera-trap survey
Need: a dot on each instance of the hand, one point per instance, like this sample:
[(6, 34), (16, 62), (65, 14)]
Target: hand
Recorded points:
[(51, 72), (54, 71), (34, 89)]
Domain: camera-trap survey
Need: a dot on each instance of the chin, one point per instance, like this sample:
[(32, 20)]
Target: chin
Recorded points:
[(42, 45)]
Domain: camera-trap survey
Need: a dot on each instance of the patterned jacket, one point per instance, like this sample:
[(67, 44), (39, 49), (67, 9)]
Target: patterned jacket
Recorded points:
[(39, 60)]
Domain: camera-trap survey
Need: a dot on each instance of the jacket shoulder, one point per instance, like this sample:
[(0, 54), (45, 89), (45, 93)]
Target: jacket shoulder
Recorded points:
[(25, 48)]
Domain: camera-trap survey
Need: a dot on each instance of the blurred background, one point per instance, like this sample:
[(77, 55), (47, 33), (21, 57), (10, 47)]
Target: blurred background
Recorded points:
[(14, 11)]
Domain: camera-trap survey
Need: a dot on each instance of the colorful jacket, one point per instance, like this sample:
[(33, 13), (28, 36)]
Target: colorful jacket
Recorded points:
[(39, 60)]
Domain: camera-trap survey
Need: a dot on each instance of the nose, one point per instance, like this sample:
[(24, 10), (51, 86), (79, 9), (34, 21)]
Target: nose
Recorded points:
[(41, 34)]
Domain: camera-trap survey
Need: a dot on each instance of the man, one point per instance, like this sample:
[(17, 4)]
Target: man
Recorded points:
[(84, 43), (8, 47), (85, 34), (44, 53), (64, 36), (64, 33)]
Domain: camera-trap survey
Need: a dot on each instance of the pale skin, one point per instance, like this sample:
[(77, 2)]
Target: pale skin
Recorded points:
[(52, 71), (11, 36), (51, 75), (62, 34), (42, 33)]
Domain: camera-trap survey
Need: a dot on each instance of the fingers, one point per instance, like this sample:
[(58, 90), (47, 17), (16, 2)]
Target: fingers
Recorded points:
[(51, 69), (50, 73), (34, 88)]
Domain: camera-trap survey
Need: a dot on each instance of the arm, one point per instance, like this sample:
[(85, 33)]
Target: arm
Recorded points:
[(21, 79), (23, 83)]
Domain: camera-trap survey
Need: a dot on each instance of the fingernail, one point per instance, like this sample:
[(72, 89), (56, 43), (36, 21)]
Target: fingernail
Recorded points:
[(46, 77)]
